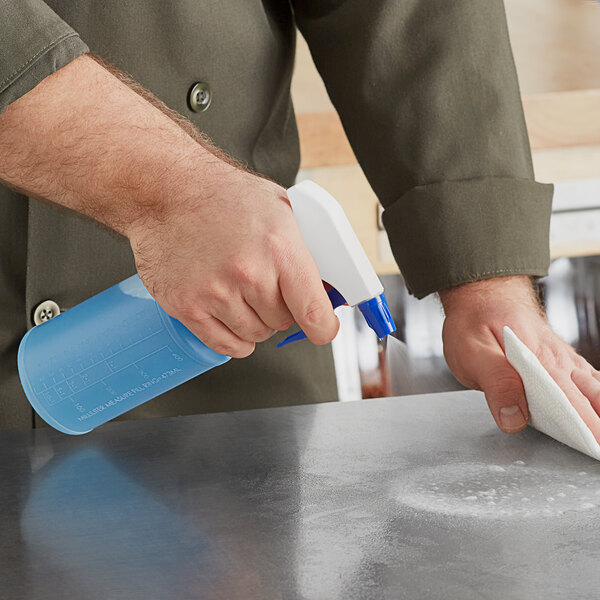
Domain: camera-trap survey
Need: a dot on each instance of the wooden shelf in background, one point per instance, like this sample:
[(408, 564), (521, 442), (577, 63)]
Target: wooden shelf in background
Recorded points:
[(554, 120), (575, 250), (323, 142), (563, 119)]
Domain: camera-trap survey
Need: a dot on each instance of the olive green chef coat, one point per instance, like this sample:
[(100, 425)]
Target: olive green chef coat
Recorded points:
[(429, 99)]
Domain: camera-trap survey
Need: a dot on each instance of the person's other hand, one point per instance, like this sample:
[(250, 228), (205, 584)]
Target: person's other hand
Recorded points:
[(229, 262), (474, 349)]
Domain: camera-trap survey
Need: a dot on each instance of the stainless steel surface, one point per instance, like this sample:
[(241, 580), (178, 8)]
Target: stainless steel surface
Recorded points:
[(416, 497)]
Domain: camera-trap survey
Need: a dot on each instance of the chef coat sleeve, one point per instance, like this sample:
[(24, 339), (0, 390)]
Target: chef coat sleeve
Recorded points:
[(428, 95), (36, 42)]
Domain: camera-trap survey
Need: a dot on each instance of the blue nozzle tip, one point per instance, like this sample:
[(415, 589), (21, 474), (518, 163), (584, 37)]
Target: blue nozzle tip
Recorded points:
[(377, 315)]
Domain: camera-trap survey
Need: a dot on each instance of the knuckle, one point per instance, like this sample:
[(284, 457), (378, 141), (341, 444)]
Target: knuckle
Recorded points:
[(248, 329), (189, 311), (237, 350), (224, 349), (314, 313), (549, 355), (285, 324), (217, 291), (240, 324), (580, 362), (278, 245), (246, 272), (503, 386), (262, 334)]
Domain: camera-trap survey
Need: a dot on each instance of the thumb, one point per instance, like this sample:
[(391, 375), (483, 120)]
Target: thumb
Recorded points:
[(504, 393)]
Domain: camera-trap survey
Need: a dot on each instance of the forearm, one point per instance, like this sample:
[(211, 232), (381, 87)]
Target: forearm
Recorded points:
[(87, 141)]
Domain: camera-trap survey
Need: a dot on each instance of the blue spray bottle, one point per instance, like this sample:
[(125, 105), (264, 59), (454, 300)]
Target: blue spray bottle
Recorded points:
[(120, 349)]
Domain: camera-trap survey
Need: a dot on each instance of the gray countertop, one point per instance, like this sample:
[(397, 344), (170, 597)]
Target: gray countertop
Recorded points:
[(413, 497)]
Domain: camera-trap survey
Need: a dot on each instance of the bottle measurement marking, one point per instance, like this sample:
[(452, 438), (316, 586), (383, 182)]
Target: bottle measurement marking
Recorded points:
[(68, 392), (103, 360), (111, 374)]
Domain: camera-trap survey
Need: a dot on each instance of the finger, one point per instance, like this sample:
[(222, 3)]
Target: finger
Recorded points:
[(502, 386), (306, 299), (270, 308), (242, 320), (579, 402), (220, 338), (595, 374), (505, 396), (589, 386)]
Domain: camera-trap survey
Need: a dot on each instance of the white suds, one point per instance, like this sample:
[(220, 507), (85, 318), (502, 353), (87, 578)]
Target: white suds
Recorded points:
[(498, 492)]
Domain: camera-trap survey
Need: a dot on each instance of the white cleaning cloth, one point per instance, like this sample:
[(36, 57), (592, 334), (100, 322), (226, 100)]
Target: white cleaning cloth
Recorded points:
[(549, 409)]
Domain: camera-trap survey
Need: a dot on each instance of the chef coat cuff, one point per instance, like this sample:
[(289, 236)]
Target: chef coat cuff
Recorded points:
[(454, 232), (30, 64)]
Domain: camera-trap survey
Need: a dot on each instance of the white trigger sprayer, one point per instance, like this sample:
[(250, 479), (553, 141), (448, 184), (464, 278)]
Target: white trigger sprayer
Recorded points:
[(341, 260)]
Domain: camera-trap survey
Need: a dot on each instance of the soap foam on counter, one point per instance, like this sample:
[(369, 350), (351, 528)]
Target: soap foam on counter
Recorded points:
[(499, 492)]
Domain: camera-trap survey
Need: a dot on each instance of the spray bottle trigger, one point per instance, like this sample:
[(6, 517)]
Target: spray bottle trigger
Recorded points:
[(336, 300), (294, 337)]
